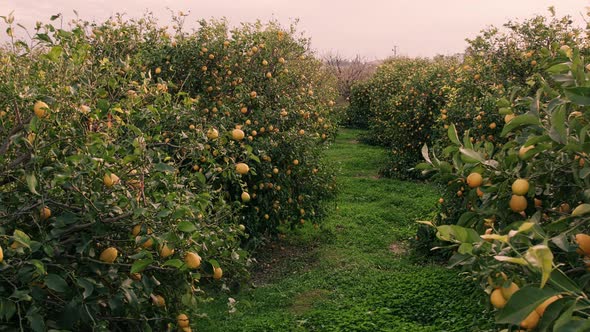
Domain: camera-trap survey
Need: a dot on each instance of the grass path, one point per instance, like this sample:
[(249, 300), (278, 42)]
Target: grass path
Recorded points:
[(354, 275)]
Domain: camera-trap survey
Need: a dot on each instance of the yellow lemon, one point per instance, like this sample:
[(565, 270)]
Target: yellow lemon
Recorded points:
[(238, 134), (520, 187), (497, 299), (109, 255), (518, 203), (192, 260), (165, 251), (474, 180), (182, 320), (217, 273), (41, 109), (45, 213), (242, 168)]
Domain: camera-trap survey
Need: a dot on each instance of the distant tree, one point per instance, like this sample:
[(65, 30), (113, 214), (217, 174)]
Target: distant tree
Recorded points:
[(348, 71)]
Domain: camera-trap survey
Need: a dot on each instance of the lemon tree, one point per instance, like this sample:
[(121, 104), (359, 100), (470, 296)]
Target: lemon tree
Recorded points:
[(522, 225), (125, 156)]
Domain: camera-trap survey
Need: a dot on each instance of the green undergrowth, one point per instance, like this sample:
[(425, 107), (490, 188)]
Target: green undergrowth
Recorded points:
[(355, 273)]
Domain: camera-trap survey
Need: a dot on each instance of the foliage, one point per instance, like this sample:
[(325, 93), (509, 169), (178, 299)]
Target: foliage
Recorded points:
[(399, 104), (349, 279), (412, 102), (131, 147), (539, 245)]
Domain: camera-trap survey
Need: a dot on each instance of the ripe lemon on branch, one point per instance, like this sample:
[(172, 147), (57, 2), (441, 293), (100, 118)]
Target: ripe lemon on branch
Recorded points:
[(109, 255), (474, 180), (192, 260), (242, 168), (520, 187)]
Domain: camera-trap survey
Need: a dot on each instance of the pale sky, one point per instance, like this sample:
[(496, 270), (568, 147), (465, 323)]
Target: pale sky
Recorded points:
[(370, 28)]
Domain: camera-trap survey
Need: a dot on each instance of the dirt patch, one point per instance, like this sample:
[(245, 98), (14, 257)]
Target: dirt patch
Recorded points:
[(305, 301), (398, 248), (279, 259)]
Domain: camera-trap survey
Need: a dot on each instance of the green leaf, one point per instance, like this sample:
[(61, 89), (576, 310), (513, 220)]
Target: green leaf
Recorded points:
[(87, 285), (560, 68), (21, 295), (503, 102), (43, 37), (562, 282), (200, 177), (522, 303), (519, 121), (161, 167), (36, 322), (552, 313), (579, 95), (163, 213), (558, 132), (454, 233), (55, 53), (565, 318), (32, 183), (574, 325), (103, 105), (177, 263), (214, 263), (38, 265), (186, 226), (7, 309), (465, 248), (22, 238), (452, 133), (470, 156), (140, 265), (56, 282)]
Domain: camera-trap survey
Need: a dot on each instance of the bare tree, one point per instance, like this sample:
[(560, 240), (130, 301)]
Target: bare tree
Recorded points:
[(348, 71)]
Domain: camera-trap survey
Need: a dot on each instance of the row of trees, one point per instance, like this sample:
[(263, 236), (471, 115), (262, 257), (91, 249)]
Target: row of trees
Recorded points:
[(504, 133), (139, 168)]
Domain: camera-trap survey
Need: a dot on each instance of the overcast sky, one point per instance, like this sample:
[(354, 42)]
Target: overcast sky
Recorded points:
[(370, 28)]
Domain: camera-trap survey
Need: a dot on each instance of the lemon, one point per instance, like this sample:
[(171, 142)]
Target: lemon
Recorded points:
[(583, 241), (520, 187), (508, 291), (110, 180), (217, 273), (543, 306), (192, 260), (41, 109), (109, 255), (45, 213), (518, 203), (165, 251), (531, 321), (497, 299), (212, 133), (238, 134), (159, 301), (182, 320), (242, 168)]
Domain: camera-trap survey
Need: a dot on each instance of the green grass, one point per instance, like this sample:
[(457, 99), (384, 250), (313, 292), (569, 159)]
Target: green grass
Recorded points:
[(354, 275)]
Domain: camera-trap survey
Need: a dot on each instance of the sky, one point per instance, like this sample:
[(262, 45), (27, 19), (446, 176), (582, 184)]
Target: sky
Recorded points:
[(369, 28)]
